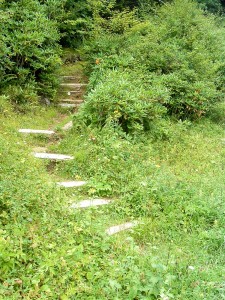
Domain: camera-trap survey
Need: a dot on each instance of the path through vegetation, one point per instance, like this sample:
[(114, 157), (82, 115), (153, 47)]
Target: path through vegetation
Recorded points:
[(74, 91), (71, 197)]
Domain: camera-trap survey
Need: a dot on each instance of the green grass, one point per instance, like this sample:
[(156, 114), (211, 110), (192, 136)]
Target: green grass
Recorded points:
[(173, 185)]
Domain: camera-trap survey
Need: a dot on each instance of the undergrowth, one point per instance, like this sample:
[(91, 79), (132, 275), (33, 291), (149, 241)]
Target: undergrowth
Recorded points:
[(169, 63), (172, 182), (166, 173)]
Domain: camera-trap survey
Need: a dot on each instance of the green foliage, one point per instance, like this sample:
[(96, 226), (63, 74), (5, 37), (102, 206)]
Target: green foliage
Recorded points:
[(31, 52), (73, 20), (214, 6), (121, 99), (177, 56), (25, 96), (171, 185), (5, 107), (118, 22), (42, 240)]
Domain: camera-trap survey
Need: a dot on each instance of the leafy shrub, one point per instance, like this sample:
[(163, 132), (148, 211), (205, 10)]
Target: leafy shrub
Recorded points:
[(214, 6), (73, 19), (178, 55), (121, 99), (121, 21), (23, 98), (31, 51), (188, 56)]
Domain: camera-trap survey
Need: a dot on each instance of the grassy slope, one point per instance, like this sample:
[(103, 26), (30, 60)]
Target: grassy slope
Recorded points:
[(174, 186)]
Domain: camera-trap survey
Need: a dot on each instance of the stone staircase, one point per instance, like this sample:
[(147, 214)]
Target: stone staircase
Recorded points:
[(71, 93)]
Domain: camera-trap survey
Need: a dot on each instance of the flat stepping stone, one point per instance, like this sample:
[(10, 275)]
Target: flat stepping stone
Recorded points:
[(53, 156), (68, 126), (115, 229), (68, 105), (68, 184), (37, 131), (90, 203)]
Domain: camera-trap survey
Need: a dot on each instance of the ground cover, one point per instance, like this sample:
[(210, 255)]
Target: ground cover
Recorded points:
[(172, 183), (175, 186)]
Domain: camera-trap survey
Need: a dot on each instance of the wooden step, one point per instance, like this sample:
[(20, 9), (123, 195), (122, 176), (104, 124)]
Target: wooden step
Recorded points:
[(36, 131), (90, 203), (52, 156), (117, 228), (70, 184)]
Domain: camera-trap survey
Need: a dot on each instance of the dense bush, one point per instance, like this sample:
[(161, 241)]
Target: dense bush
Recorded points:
[(185, 50), (177, 57), (30, 50), (121, 99), (214, 6)]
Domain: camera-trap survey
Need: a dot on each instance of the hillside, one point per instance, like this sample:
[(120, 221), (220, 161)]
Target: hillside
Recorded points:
[(112, 151)]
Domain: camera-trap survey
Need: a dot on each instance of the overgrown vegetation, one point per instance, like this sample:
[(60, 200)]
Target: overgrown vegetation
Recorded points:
[(29, 51), (175, 62), (32, 32), (150, 136), (174, 187)]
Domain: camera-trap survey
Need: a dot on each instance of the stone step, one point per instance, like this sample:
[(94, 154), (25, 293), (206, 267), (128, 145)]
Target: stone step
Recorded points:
[(68, 105), (70, 92), (75, 101), (53, 156), (78, 85), (115, 229), (90, 203), (70, 78), (68, 126), (73, 95), (74, 84), (37, 131), (71, 184)]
